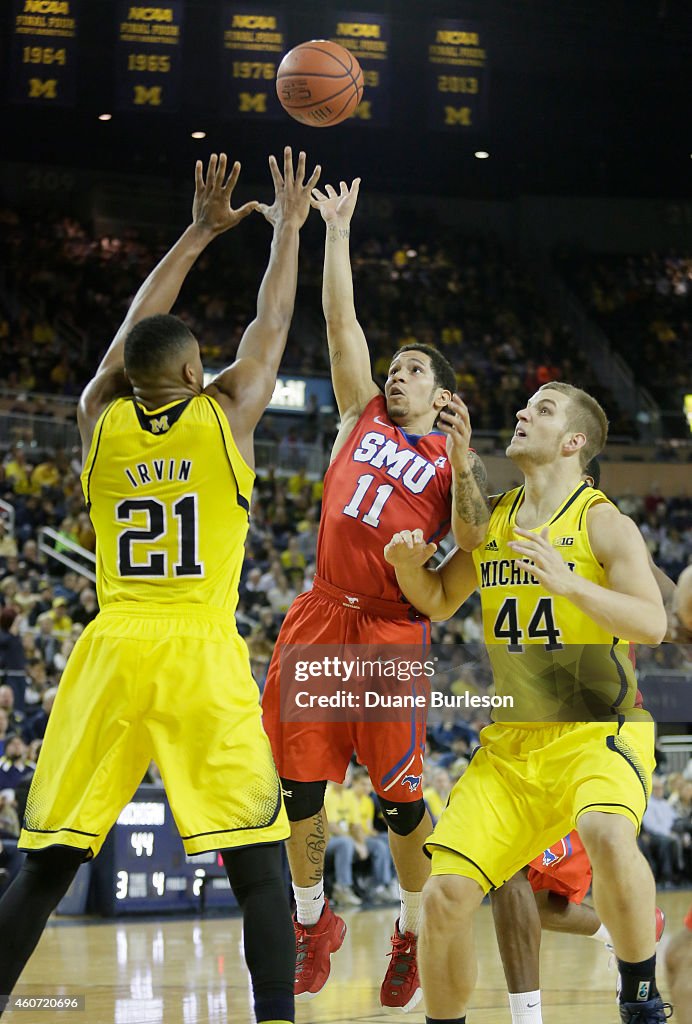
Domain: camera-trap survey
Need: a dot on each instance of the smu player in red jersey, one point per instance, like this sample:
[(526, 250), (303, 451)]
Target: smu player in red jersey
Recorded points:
[(389, 466)]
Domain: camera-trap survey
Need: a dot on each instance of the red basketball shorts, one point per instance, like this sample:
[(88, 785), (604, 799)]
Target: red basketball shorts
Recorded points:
[(312, 751), (564, 868)]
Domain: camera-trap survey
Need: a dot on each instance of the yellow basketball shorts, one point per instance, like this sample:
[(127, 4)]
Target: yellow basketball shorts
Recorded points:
[(174, 686), (526, 787)]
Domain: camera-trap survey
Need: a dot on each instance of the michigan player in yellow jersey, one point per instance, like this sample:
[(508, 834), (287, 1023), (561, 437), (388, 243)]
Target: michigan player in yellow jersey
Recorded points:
[(161, 672), (563, 576)]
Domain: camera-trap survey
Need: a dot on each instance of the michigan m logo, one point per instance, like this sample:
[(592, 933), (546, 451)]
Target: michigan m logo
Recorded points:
[(148, 97), (458, 115), (159, 426), (248, 101), (38, 89)]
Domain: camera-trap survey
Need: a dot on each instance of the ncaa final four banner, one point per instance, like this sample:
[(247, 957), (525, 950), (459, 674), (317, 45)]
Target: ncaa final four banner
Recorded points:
[(457, 75), (253, 43), (367, 37), (43, 54), (148, 56)]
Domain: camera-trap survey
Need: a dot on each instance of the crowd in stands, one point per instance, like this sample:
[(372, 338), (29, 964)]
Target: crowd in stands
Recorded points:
[(66, 290), (644, 305)]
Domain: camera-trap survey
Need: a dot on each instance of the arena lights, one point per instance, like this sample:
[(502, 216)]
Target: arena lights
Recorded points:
[(105, 117), (481, 154), (198, 135)]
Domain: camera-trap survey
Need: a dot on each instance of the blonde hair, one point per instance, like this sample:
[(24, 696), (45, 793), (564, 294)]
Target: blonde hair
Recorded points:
[(584, 415)]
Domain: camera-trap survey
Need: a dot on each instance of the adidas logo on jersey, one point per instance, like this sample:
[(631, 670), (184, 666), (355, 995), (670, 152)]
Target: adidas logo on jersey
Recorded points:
[(492, 546), (563, 542)]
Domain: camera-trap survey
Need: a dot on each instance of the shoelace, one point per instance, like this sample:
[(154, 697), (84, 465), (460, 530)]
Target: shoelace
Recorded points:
[(304, 954), (401, 955)]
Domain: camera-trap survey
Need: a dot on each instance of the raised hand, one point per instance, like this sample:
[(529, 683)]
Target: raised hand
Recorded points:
[(455, 422), (543, 562), (408, 550), (336, 207), (211, 207), (292, 193)]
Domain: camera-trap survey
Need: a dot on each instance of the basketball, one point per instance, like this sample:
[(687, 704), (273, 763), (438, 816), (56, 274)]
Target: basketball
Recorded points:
[(319, 83)]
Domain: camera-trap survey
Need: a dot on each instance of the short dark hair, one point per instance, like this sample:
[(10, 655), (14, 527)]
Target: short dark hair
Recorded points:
[(153, 342), (442, 369)]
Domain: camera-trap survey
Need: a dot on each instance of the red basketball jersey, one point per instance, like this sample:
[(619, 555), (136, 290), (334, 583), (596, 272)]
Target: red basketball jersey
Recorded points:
[(383, 480)]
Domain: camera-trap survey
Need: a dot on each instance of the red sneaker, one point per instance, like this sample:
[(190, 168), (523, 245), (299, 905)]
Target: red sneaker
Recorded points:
[(660, 923), (314, 945), (401, 986)]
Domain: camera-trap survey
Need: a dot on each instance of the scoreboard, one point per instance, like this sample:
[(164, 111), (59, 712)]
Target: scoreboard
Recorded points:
[(143, 867)]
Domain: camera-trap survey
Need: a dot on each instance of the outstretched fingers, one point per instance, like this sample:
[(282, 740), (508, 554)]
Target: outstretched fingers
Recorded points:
[(276, 174), (232, 178)]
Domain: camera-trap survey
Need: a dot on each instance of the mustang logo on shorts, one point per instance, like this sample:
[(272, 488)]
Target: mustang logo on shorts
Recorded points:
[(412, 781)]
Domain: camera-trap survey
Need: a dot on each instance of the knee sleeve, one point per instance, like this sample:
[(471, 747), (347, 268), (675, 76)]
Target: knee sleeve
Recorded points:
[(402, 818), (302, 799)]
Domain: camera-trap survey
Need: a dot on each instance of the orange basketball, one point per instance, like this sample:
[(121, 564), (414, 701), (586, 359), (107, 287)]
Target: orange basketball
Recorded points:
[(319, 83)]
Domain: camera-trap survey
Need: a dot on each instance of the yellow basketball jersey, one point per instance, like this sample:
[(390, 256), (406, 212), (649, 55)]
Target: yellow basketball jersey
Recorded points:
[(557, 662), (169, 497)]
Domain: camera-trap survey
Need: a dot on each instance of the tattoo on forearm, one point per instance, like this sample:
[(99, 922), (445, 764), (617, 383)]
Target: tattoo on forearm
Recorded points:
[(315, 845), (334, 233), (471, 503), (335, 357)]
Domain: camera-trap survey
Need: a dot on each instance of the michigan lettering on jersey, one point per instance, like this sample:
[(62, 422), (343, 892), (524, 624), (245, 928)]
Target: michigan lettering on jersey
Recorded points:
[(380, 452), (507, 572)]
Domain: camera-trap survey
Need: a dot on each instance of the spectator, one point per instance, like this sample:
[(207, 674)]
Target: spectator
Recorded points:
[(376, 843), (13, 765), (342, 814), (437, 793), (658, 842), (36, 727)]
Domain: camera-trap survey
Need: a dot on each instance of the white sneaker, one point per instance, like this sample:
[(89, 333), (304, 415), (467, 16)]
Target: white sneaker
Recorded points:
[(345, 896)]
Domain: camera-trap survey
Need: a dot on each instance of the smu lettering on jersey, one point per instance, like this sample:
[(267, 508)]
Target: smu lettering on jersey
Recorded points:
[(383, 480), (557, 663), (169, 495)]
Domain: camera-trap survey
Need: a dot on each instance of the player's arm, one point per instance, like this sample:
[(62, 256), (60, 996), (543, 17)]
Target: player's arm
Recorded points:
[(244, 389), (212, 214), (667, 589), (437, 593), (348, 349), (631, 605), (682, 608), (470, 509)]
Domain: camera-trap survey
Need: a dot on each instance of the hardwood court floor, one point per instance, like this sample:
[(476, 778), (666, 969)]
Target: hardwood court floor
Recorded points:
[(191, 971)]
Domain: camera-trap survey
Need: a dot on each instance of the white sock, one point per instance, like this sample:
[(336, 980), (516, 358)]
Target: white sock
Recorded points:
[(602, 935), (526, 1007), (409, 918), (309, 902)]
